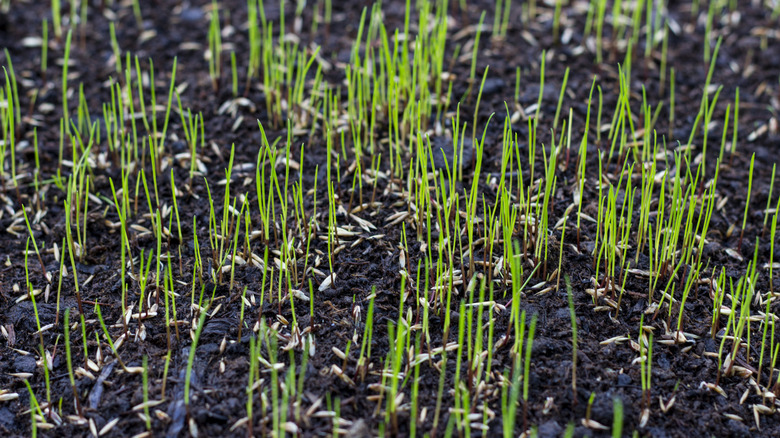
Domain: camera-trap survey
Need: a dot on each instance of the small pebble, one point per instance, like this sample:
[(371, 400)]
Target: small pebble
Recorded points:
[(191, 15), (24, 364)]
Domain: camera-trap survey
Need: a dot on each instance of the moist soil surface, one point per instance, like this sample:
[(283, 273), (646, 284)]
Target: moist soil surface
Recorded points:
[(747, 59)]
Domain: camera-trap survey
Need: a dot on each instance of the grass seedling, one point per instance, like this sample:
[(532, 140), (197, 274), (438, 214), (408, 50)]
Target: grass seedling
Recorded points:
[(139, 21), (66, 60), (10, 122), (600, 15), (591, 399), (474, 51), (42, 349), (497, 19), (56, 17), (191, 356), (145, 383), (645, 367), (241, 314), (617, 418), (772, 239), (365, 346), (234, 74), (560, 99), (35, 244), (250, 387), (747, 203), (560, 254), (735, 130), (108, 338), (44, 47), (66, 327), (526, 370), (476, 107), (33, 402), (569, 432), (769, 198), (165, 373), (765, 323), (541, 91), (509, 407), (557, 23), (143, 278), (215, 47), (415, 392)]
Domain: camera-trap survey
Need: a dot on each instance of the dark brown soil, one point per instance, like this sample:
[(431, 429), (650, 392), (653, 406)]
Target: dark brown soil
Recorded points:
[(748, 59)]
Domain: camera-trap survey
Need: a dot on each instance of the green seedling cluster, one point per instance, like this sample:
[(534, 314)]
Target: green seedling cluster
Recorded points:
[(478, 230)]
